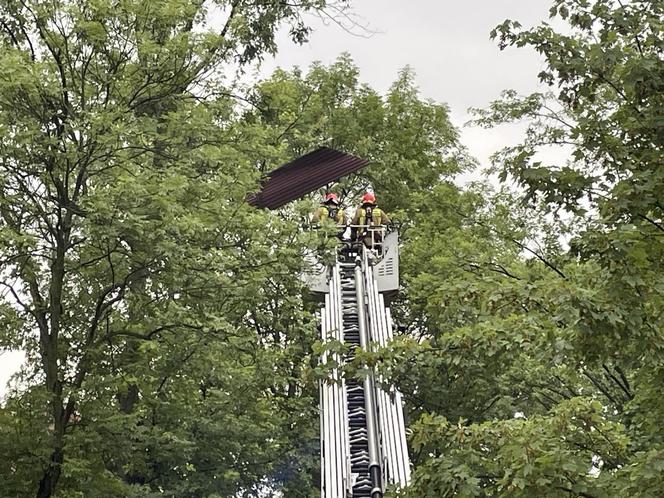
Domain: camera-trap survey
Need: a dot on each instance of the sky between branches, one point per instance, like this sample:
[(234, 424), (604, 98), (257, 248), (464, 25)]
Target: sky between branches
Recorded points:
[(445, 42)]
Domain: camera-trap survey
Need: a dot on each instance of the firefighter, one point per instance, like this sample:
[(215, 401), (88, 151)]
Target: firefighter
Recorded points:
[(330, 209), (330, 214), (366, 216)]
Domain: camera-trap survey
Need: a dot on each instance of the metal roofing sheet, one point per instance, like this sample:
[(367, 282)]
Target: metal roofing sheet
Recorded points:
[(304, 175)]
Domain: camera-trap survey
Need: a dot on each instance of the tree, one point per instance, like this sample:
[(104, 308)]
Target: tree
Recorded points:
[(409, 142), (130, 261), (558, 358)]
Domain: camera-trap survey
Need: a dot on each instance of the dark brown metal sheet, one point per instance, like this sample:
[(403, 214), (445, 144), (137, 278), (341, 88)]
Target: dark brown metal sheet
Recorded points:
[(304, 175)]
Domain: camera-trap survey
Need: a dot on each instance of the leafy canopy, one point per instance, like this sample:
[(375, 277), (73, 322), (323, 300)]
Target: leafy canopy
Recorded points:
[(546, 355)]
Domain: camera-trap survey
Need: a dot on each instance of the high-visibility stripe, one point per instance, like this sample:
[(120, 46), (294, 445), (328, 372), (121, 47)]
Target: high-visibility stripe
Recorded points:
[(376, 217)]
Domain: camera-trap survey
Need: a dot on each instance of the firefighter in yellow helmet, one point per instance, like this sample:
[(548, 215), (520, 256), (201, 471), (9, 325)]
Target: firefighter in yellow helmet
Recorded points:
[(369, 215)]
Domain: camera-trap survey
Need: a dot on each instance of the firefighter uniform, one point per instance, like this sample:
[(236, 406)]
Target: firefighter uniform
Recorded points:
[(330, 212), (367, 216)]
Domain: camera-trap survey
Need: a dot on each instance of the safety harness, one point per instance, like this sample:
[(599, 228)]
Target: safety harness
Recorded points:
[(332, 212), (370, 216)]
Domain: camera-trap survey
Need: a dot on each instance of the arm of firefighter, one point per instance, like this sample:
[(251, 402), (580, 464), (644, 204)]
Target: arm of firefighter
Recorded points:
[(341, 217), (385, 219)]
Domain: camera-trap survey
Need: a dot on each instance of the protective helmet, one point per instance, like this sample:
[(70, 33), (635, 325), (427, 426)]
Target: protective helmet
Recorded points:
[(331, 197), (368, 198)]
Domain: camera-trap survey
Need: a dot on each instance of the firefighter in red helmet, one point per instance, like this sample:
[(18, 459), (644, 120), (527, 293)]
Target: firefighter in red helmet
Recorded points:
[(331, 220), (366, 216), (330, 209)]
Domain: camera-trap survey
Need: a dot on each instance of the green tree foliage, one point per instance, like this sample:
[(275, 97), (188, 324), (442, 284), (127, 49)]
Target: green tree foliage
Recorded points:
[(168, 347), (536, 368), (155, 306), (410, 142)]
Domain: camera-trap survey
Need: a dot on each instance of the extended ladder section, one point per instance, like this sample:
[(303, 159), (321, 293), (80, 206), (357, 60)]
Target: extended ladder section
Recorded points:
[(363, 441)]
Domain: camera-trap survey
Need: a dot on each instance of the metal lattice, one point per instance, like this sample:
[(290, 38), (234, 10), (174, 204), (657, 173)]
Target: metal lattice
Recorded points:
[(363, 444)]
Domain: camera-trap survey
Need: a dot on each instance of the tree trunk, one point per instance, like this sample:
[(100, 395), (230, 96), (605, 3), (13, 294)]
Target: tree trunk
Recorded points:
[(49, 344), (51, 475)]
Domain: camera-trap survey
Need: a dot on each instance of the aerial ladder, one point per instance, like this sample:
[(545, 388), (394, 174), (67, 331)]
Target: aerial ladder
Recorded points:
[(363, 439)]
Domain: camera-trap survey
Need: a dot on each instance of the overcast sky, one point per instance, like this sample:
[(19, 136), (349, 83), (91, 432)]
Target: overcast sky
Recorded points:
[(446, 43)]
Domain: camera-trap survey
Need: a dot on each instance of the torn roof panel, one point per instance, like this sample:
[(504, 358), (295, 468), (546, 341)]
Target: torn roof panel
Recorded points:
[(304, 175)]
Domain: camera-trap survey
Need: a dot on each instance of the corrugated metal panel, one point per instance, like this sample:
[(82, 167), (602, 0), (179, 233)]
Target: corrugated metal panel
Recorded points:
[(304, 175)]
